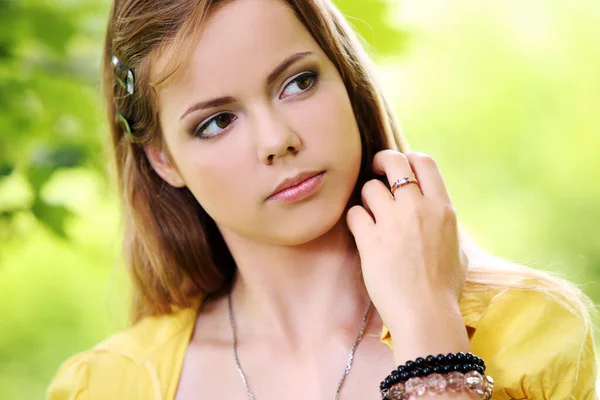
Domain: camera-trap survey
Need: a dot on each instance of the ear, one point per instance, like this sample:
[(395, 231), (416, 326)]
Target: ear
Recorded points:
[(163, 166)]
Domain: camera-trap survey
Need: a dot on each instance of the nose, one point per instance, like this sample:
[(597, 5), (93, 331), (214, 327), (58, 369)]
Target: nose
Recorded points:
[(275, 137)]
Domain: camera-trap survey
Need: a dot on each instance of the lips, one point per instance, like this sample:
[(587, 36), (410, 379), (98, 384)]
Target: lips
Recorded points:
[(294, 181)]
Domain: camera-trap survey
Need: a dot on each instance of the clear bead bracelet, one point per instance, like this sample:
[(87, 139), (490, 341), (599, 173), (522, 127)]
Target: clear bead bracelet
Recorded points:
[(472, 381)]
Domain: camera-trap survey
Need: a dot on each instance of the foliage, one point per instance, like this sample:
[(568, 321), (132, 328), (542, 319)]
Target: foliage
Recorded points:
[(50, 113)]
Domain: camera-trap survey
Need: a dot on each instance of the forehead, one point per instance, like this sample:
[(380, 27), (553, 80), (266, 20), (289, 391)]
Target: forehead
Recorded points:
[(242, 40)]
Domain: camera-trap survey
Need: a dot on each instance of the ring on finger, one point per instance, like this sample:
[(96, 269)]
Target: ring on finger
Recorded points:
[(402, 182)]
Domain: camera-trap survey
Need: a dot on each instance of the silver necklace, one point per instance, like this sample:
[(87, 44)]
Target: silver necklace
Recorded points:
[(346, 369)]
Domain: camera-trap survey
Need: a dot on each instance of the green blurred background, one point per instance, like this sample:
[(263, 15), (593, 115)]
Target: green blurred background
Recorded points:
[(505, 95)]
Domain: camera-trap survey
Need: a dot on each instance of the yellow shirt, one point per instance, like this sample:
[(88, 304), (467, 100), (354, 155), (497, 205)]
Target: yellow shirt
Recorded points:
[(533, 348)]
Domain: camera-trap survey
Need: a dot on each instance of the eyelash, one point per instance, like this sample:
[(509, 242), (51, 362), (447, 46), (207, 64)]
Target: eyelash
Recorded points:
[(203, 126)]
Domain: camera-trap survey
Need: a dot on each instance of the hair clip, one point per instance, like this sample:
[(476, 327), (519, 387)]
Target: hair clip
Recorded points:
[(128, 82), (126, 126)]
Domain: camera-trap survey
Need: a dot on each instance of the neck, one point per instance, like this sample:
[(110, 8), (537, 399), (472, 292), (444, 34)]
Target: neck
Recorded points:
[(298, 292)]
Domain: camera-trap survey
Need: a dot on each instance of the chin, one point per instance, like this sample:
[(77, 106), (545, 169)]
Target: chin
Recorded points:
[(303, 227)]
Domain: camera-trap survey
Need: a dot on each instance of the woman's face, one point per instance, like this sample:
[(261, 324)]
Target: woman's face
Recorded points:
[(259, 103)]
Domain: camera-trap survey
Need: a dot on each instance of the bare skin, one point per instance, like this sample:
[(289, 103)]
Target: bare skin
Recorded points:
[(306, 270)]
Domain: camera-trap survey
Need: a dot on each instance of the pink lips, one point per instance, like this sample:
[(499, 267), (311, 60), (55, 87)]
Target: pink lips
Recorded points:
[(297, 188)]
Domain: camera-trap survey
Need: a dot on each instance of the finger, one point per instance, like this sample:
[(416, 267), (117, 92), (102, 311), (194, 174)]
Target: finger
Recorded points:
[(429, 176), (394, 165), (376, 199), (359, 222)]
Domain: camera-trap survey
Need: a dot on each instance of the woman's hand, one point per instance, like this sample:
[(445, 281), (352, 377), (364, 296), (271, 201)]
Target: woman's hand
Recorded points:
[(410, 255)]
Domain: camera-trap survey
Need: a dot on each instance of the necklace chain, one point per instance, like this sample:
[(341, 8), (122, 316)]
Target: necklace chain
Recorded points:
[(347, 368)]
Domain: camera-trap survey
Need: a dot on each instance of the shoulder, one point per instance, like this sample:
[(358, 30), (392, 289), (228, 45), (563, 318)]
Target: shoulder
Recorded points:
[(537, 340), (141, 362)]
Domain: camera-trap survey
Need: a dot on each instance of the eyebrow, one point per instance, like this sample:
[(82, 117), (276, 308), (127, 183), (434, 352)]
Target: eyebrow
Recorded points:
[(285, 64), (221, 101)]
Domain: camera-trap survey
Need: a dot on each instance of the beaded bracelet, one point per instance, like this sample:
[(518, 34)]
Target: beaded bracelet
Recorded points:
[(435, 384), (440, 364)]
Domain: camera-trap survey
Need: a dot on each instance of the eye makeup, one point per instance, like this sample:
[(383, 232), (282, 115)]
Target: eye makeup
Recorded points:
[(298, 85)]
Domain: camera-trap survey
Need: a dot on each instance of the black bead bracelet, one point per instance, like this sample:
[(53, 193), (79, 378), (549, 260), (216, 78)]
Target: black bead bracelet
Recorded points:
[(440, 364)]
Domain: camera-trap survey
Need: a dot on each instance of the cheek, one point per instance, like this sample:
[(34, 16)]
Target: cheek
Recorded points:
[(329, 125), (216, 179)]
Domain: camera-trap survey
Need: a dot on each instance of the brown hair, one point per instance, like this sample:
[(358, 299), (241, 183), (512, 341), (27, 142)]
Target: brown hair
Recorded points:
[(173, 248)]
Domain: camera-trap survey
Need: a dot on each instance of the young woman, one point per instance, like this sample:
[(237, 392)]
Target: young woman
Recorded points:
[(276, 223)]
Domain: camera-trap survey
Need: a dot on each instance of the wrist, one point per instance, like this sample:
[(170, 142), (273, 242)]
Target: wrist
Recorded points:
[(423, 332)]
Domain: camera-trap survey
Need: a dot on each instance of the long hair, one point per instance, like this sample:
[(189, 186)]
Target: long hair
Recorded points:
[(173, 248)]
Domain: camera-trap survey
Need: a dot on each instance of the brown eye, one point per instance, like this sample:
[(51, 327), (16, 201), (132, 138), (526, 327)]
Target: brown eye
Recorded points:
[(223, 120), (302, 83), (215, 126)]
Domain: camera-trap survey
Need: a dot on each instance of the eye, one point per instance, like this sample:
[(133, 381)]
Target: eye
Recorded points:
[(215, 125), (300, 84)]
